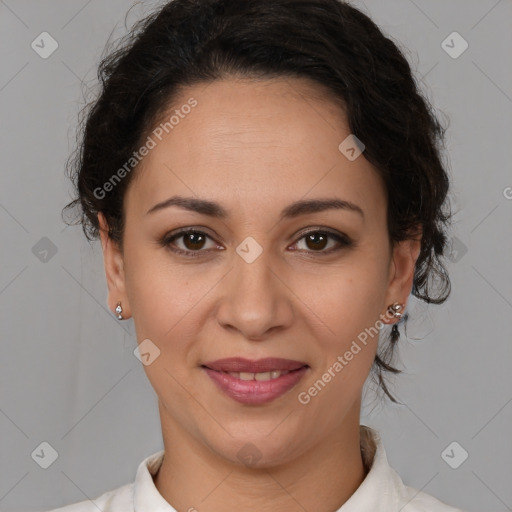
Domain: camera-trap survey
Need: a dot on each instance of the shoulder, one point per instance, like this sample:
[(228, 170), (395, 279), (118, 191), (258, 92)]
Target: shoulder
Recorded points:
[(383, 487), (141, 494), (412, 500), (421, 502), (116, 500)]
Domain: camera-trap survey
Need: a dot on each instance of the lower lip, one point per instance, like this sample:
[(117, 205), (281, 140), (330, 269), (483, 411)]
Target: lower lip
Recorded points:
[(255, 392)]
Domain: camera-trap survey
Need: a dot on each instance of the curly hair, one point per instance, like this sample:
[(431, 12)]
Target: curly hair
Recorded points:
[(330, 42)]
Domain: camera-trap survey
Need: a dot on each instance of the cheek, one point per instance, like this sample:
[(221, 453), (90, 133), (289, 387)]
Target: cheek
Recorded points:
[(348, 298), (346, 343), (352, 314), (173, 305), (161, 296), (164, 307), (164, 304), (157, 290), (348, 302)]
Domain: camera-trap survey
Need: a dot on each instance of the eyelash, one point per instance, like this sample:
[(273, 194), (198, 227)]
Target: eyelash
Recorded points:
[(166, 241)]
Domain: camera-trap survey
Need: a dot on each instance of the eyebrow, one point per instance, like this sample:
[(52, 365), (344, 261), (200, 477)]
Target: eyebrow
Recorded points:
[(213, 209)]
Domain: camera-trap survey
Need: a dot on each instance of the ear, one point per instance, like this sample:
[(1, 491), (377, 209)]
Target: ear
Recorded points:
[(114, 269), (401, 270)]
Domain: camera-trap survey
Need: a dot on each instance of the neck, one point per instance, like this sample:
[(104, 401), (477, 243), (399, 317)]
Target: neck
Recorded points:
[(192, 476)]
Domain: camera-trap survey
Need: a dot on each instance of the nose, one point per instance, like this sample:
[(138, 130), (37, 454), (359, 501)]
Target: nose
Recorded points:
[(255, 300)]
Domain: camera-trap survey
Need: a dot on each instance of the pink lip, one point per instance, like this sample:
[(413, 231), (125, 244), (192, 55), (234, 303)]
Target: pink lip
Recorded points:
[(256, 392)]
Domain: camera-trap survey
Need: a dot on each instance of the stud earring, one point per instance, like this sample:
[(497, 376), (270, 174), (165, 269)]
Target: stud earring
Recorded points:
[(395, 310), (119, 310)]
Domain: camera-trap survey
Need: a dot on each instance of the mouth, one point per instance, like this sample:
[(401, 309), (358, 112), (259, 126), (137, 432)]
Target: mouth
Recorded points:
[(255, 382)]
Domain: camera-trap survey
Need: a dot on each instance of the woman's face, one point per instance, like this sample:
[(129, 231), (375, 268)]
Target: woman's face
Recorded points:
[(253, 284)]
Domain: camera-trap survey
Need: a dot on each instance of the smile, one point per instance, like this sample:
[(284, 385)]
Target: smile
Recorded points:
[(235, 379)]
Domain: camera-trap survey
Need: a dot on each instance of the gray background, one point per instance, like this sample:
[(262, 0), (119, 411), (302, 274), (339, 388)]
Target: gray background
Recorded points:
[(68, 375)]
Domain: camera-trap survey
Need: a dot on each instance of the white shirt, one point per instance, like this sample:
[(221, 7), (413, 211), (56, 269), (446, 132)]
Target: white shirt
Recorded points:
[(381, 491)]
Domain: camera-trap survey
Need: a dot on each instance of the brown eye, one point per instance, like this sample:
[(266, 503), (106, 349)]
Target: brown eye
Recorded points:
[(193, 240), (317, 241)]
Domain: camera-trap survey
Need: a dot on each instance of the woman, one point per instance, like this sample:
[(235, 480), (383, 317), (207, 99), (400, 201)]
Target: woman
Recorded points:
[(267, 185)]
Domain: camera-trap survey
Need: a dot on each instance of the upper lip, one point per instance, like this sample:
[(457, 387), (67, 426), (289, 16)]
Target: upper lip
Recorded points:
[(240, 364)]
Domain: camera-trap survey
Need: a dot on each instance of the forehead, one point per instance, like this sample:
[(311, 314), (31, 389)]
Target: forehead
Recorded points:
[(262, 142)]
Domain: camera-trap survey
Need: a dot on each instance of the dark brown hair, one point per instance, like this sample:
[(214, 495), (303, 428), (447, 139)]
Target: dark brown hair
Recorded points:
[(327, 41)]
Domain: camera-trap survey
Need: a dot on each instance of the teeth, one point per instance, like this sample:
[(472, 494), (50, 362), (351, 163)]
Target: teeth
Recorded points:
[(274, 374), (265, 375)]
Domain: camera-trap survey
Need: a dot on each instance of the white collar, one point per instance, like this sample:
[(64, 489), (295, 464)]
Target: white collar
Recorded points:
[(380, 491)]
